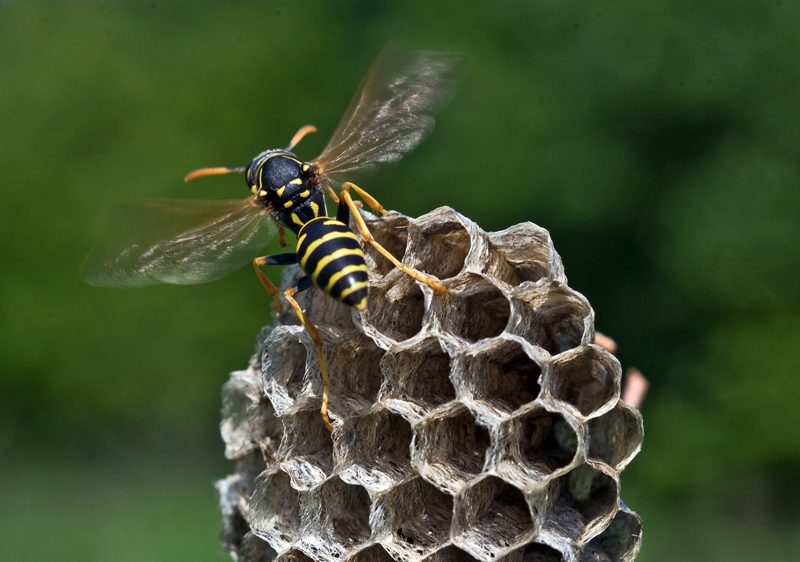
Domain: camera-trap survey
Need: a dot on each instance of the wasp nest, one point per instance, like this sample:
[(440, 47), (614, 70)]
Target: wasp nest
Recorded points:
[(482, 424)]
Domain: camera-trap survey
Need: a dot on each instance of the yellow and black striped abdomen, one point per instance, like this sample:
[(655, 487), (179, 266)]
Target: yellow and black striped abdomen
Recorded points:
[(329, 253)]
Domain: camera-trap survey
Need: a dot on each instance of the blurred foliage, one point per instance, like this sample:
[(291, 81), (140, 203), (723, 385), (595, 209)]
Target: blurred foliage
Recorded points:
[(659, 142)]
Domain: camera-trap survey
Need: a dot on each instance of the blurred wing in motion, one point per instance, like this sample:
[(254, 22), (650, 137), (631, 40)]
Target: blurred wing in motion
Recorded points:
[(177, 241), (393, 109)]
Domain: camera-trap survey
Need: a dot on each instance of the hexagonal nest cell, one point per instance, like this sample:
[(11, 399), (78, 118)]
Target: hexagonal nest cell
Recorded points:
[(481, 424), (413, 519), (491, 518), (449, 448)]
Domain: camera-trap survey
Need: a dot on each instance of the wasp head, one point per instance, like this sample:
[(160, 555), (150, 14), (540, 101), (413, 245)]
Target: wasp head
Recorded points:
[(270, 172)]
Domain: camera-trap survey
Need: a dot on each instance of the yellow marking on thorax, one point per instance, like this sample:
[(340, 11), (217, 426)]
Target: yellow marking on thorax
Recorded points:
[(305, 194), (306, 167), (353, 289), (341, 273), (288, 204), (333, 256), (254, 190), (296, 219), (297, 181), (281, 189), (315, 209), (319, 241), (262, 193)]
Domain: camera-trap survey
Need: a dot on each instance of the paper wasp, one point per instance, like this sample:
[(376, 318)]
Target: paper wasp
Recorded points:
[(185, 242)]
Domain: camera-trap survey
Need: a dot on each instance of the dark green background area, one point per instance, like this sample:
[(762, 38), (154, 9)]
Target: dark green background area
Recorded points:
[(659, 144)]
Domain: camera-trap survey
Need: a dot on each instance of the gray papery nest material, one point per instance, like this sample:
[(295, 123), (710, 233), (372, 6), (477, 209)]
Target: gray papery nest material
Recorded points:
[(483, 424)]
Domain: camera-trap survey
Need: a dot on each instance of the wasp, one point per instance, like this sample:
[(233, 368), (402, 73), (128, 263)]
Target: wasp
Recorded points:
[(190, 241)]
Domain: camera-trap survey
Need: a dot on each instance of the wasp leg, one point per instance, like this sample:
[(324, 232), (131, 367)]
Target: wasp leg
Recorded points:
[(368, 199), (331, 193), (298, 136), (301, 285), (279, 259), (343, 215), (282, 237)]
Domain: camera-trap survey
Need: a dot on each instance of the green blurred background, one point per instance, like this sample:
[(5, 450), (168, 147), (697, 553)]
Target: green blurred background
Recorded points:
[(659, 143)]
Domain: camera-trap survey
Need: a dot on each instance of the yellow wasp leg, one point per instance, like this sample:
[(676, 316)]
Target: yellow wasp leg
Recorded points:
[(331, 193), (368, 199), (333, 196), (303, 284), (271, 289), (317, 338), (368, 239)]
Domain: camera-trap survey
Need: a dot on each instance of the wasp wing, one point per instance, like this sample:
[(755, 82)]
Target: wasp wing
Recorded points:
[(393, 109), (177, 241)]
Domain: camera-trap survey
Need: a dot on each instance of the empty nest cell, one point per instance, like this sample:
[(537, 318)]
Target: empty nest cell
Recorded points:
[(521, 253), (473, 308), (551, 315), (500, 377), (248, 469), (491, 518), (284, 358), (335, 519), (621, 540), (374, 450), (275, 510), (587, 378), (616, 436), (413, 519), (396, 306), (535, 445), (439, 243), (586, 500), (450, 448), (265, 429), (391, 232), (253, 549), (354, 369), (416, 378), (306, 450)]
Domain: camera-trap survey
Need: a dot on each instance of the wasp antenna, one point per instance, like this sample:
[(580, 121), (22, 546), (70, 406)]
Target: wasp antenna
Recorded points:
[(298, 136), (210, 172)]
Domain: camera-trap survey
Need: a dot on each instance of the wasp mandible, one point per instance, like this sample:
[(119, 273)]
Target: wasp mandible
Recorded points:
[(185, 241)]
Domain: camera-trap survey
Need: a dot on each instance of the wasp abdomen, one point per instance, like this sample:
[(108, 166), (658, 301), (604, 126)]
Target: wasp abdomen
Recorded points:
[(330, 254)]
